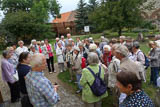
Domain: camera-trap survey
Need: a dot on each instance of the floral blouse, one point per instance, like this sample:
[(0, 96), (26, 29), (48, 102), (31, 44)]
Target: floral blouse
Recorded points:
[(137, 99)]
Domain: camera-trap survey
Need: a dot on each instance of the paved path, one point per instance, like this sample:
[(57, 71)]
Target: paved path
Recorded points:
[(68, 98)]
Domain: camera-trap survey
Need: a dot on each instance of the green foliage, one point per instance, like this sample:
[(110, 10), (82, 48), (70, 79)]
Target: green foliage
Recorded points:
[(117, 14), (27, 19), (81, 16)]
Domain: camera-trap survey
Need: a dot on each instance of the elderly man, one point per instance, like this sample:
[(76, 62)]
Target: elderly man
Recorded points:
[(21, 48), (62, 41), (67, 40), (127, 64), (40, 90)]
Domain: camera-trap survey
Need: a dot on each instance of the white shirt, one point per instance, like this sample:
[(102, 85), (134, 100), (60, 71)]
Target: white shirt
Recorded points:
[(19, 50)]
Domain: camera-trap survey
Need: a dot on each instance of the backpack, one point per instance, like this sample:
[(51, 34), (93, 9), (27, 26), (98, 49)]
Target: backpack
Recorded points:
[(98, 87), (147, 62), (83, 65)]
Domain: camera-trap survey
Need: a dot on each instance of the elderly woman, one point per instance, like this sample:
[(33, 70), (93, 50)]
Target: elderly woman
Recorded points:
[(77, 61), (128, 83), (21, 48), (154, 62), (8, 72), (107, 56), (49, 57), (60, 56), (32, 50), (87, 78)]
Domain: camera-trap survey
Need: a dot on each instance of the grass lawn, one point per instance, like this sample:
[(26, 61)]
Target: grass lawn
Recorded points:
[(107, 102)]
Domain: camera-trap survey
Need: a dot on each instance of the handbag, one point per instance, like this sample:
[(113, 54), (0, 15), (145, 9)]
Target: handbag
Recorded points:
[(15, 76)]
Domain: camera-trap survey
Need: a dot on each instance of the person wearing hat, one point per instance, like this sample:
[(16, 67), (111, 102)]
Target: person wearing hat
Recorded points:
[(121, 53), (122, 40), (77, 61)]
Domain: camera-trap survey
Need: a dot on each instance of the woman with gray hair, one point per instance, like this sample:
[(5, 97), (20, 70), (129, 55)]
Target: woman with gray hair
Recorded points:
[(87, 78), (8, 72)]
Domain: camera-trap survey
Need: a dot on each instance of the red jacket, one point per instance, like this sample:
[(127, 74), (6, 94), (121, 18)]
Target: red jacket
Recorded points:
[(107, 58)]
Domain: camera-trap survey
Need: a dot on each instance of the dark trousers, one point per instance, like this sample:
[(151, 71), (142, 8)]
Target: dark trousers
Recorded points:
[(50, 62), (15, 91), (154, 75)]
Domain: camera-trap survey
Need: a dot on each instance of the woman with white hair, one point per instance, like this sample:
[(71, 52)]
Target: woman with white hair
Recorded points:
[(21, 48), (107, 56), (87, 79), (60, 56), (8, 72)]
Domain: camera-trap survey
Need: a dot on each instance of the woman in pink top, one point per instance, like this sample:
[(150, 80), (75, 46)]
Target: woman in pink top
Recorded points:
[(49, 57)]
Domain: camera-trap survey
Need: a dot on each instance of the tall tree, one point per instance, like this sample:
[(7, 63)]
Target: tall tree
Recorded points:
[(92, 5), (81, 16), (27, 18), (118, 14)]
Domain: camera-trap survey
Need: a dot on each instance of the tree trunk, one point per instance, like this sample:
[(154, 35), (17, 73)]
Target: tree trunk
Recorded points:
[(120, 32)]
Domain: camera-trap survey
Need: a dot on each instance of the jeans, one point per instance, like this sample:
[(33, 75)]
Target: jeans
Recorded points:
[(78, 76), (154, 75)]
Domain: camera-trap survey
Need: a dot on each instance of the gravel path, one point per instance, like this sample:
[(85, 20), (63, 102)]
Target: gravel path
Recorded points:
[(68, 99)]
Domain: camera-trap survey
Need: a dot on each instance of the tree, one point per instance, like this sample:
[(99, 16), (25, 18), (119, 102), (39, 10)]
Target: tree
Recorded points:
[(93, 4), (27, 20), (118, 14), (81, 16)]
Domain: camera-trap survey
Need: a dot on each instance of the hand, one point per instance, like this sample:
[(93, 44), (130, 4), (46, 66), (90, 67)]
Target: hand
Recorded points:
[(56, 87), (73, 68), (149, 57)]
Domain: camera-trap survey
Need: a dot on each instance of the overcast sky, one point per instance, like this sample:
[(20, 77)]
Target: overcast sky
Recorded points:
[(68, 5)]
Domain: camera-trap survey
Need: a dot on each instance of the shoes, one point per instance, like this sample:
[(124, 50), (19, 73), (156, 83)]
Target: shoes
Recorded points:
[(50, 72), (78, 91), (54, 71)]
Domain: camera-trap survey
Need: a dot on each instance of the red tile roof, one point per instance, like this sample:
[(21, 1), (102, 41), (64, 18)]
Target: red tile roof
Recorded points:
[(66, 17)]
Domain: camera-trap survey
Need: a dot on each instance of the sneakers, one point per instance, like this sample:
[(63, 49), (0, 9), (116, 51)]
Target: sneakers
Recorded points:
[(54, 71), (50, 72)]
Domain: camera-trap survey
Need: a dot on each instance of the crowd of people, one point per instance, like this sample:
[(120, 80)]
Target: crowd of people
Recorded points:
[(117, 67)]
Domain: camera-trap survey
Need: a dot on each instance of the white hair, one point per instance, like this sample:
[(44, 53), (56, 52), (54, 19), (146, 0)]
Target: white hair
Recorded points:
[(62, 36), (57, 38), (33, 41), (59, 42), (93, 58), (36, 60), (107, 46), (92, 46), (20, 42)]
